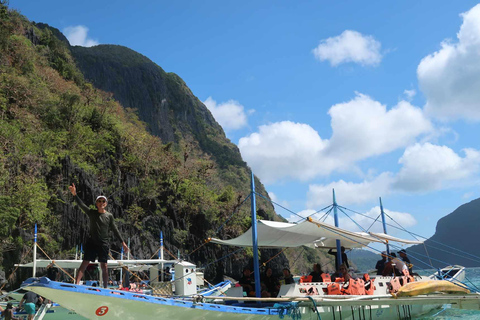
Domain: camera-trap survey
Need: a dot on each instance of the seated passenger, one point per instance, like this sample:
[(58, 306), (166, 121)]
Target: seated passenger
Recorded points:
[(270, 284), (247, 282), (343, 273), (287, 276), (316, 273)]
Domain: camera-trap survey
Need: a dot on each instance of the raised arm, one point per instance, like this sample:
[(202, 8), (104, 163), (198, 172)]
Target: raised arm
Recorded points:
[(79, 201)]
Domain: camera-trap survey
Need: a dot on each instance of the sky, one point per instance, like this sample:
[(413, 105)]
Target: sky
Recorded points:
[(370, 98)]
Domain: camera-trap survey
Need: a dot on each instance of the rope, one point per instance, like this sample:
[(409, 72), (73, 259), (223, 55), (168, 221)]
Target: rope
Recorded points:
[(373, 222), (63, 270), (205, 242), (415, 234), (315, 307), (265, 263)]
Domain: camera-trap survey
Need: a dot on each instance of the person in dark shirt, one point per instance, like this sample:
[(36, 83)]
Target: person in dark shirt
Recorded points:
[(316, 273), (101, 222), (52, 272), (344, 258), (287, 276), (380, 266), (270, 283), (28, 303), (247, 282)]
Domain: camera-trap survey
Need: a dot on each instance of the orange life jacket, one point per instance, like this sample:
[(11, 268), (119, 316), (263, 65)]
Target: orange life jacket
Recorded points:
[(369, 284), (339, 280), (306, 279), (326, 277), (333, 289), (354, 287)]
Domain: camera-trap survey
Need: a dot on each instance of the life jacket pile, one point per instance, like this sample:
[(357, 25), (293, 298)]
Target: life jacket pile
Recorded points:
[(354, 287), (369, 284), (397, 282), (334, 288)]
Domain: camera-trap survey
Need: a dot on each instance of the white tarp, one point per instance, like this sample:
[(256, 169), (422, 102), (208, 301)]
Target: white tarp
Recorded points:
[(393, 239), (272, 234)]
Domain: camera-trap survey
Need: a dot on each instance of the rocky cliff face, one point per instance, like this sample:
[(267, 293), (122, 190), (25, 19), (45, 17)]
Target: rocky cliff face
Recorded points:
[(162, 99), (457, 230)]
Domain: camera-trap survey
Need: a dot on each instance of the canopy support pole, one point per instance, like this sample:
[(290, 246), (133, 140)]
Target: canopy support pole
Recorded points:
[(338, 261), (35, 252), (384, 224), (256, 264)]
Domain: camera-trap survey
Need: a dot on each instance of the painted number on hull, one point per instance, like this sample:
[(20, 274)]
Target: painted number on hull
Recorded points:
[(101, 311)]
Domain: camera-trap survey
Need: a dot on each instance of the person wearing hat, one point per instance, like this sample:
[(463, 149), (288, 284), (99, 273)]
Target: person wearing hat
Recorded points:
[(380, 266), (8, 312), (101, 222), (403, 254)]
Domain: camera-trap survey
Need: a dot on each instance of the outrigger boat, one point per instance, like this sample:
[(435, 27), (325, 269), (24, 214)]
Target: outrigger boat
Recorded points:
[(385, 298)]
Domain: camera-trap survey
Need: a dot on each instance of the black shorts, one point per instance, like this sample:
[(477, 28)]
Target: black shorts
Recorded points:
[(94, 250)]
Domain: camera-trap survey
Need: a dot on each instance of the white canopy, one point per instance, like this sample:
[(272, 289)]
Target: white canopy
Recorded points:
[(272, 234), (394, 239)]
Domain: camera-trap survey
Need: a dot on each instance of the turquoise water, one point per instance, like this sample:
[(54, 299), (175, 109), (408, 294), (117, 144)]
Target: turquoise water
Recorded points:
[(472, 277)]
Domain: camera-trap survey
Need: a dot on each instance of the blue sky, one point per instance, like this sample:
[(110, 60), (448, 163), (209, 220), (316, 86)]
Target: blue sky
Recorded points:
[(372, 98)]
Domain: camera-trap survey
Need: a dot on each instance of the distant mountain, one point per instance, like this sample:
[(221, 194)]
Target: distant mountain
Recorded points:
[(459, 230), (363, 260)]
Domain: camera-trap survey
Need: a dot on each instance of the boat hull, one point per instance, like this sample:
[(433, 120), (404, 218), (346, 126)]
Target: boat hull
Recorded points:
[(105, 304)]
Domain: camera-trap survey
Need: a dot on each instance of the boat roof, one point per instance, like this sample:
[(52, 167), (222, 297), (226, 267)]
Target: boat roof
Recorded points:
[(313, 233)]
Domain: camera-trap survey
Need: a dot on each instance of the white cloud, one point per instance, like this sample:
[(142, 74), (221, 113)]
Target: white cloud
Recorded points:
[(409, 94), (450, 77), (425, 167), (283, 150), (350, 46), (77, 36), (362, 128), (428, 167), (230, 115), (349, 192)]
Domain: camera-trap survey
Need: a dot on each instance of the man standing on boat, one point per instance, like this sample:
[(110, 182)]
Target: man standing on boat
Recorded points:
[(403, 254), (101, 222)]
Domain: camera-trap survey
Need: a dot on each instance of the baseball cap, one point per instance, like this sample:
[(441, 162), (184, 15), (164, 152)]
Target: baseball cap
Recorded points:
[(101, 197)]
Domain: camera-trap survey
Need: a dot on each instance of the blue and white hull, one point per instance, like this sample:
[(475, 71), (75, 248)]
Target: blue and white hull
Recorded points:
[(105, 304)]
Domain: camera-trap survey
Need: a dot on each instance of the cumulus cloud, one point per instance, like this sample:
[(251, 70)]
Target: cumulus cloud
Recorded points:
[(350, 46), (349, 192), (78, 36), (450, 77), (230, 115), (361, 128), (283, 150), (427, 167)]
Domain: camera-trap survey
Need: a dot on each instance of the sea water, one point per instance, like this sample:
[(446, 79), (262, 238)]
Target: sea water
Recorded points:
[(472, 278)]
